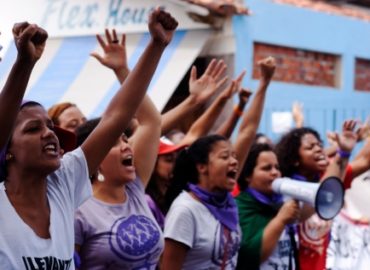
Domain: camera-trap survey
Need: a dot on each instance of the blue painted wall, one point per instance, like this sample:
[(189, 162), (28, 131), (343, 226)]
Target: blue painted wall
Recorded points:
[(325, 108)]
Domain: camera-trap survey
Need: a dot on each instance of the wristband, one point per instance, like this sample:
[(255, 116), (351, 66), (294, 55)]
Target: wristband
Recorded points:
[(237, 111), (344, 154)]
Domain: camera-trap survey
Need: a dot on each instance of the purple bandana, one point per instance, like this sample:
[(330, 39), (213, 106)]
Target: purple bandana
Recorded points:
[(274, 200), (221, 204)]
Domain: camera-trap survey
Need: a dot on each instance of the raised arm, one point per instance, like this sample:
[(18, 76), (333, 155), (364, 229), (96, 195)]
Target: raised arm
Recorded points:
[(145, 139), (204, 124), (361, 162), (124, 104), (346, 141), (331, 149), (115, 56), (297, 113), (227, 128), (201, 89), (30, 42), (251, 119)]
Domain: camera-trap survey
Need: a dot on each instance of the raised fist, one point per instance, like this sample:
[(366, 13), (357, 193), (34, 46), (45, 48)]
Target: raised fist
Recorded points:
[(29, 40), (162, 26), (39, 37), (267, 67)]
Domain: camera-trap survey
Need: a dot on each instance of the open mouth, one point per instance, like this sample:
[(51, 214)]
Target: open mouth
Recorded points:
[(231, 174), (321, 159), (51, 148), (128, 161)]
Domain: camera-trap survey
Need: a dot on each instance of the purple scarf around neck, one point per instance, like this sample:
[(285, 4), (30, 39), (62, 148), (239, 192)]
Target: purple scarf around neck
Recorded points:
[(221, 205), (275, 200)]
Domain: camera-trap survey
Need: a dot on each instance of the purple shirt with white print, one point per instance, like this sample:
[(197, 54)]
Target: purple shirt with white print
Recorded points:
[(118, 236)]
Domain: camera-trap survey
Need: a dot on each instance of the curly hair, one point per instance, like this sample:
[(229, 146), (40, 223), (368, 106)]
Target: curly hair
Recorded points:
[(287, 149), (251, 162)]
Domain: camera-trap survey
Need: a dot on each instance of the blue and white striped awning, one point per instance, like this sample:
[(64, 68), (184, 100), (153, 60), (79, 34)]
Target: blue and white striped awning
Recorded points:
[(67, 72)]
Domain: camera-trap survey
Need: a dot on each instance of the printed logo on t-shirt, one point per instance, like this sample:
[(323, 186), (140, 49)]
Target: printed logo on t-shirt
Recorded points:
[(350, 246), (315, 229), (135, 238), (225, 247), (284, 248), (46, 263), (279, 259)]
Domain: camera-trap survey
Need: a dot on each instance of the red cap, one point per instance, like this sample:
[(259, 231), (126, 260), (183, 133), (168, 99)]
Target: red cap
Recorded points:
[(167, 147), (67, 139)]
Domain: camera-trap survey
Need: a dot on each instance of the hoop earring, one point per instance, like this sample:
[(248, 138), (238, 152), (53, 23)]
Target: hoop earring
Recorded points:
[(100, 177)]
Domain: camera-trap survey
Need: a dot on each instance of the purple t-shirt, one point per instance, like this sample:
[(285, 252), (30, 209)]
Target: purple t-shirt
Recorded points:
[(118, 236)]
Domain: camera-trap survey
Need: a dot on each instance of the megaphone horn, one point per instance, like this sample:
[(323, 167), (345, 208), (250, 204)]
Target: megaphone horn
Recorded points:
[(327, 197)]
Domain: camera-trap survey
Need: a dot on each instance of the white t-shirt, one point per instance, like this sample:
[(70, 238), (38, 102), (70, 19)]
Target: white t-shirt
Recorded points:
[(191, 223), (349, 247), (279, 258), (20, 247)]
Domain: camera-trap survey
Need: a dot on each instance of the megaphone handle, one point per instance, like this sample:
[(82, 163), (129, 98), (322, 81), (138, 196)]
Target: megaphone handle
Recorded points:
[(300, 203)]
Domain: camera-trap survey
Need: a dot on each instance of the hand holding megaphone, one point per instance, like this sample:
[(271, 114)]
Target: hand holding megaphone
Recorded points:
[(289, 212), (327, 197)]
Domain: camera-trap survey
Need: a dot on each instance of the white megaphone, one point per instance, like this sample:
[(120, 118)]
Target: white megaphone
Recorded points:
[(327, 197)]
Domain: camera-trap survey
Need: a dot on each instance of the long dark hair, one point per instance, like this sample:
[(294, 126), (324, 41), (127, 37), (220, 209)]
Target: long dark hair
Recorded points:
[(251, 162), (153, 190), (84, 130), (287, 149), (185, 170)]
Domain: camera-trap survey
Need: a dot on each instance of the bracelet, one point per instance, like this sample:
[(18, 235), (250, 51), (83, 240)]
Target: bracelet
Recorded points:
[(237, 111), (344, 154)]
